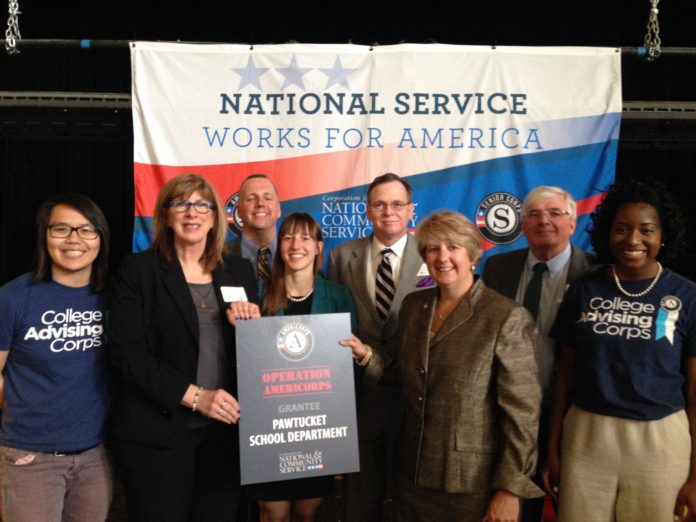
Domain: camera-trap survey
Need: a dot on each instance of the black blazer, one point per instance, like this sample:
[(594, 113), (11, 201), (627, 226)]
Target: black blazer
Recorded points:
[(502, 272), (153, 344)]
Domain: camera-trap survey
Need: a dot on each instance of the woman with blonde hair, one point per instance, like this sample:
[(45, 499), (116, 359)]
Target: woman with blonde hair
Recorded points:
[(470, 388)]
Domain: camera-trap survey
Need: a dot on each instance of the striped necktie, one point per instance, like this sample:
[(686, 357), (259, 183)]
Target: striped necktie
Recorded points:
[(384, 285), (263, 264)]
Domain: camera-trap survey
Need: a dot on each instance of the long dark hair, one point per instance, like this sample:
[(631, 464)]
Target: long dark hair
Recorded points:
[(650, 192), (276, 293), (93, 214)]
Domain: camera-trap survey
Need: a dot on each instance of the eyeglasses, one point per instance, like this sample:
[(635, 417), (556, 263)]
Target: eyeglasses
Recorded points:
[(61, 231), (381, 206), (554, 213), (202, 207)]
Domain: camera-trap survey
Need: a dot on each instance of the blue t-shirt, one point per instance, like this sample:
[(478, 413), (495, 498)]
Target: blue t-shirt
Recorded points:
[(57, 391), (629, 350)]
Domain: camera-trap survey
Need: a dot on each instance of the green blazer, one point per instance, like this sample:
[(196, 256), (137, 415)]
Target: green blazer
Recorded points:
[(330, 298)]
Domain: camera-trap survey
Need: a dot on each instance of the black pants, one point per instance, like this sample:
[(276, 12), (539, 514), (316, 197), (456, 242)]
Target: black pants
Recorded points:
[(198, 481)]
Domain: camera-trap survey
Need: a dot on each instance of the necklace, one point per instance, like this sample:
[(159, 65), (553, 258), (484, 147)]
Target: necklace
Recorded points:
[(300, 299), (638, 294), (201, 295)]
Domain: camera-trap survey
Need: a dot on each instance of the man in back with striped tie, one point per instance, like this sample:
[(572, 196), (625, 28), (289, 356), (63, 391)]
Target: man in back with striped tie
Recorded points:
[(380, 271), (259, 209)]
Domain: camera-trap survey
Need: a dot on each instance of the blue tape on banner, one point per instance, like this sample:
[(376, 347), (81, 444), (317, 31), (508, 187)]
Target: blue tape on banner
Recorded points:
[(85, 44)]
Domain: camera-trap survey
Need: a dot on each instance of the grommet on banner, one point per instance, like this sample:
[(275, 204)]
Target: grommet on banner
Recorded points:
[(251, 47)]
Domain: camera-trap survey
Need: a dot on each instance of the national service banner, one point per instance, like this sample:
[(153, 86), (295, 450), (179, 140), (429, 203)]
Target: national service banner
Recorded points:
[(473, 128)]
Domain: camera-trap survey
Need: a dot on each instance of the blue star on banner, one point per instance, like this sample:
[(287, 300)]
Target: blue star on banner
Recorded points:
[(338, 75), (293, 73), (251, 75)]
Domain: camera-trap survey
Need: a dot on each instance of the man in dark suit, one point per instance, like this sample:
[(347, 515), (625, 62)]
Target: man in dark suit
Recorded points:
[(259, 209), (360, 265), (537, 278)]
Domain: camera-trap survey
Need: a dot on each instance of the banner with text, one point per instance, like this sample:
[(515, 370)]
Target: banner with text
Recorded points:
[(473, 128)]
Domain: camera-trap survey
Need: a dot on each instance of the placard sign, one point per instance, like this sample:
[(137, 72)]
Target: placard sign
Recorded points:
[(297, 398)]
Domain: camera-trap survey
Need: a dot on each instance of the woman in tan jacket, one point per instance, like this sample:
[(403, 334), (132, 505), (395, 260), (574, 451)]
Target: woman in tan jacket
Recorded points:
[(470, 388)]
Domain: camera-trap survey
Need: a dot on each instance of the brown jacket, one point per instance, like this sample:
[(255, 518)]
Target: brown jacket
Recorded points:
[(472, 395)]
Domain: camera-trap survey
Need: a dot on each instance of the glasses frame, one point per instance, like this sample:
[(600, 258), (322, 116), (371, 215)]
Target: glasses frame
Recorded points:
[(200, 206), (551, 214), (396, 206), (91, 230)]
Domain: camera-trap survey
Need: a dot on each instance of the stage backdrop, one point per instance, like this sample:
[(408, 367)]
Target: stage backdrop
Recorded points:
[(473, 128)]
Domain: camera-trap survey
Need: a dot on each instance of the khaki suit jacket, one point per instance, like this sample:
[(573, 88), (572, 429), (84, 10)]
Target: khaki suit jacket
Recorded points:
[(471, 395)]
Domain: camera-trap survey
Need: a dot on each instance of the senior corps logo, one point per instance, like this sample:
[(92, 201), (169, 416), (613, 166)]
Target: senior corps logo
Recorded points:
[(498, 218), (295, 341), (234, 222)]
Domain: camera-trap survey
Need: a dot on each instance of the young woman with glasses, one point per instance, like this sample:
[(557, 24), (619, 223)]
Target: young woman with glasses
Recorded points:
[(54, 387)]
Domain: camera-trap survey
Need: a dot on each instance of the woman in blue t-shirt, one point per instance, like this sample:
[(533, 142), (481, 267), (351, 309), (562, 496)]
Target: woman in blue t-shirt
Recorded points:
[(54, 385), (625, 388)]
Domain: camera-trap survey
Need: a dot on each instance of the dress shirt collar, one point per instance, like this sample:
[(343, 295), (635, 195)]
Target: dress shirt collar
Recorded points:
[(397, 248), (555, 265)]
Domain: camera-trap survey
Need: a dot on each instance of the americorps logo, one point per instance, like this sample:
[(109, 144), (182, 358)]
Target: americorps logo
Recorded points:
[(295, 341), (498, 218), (667, 317)]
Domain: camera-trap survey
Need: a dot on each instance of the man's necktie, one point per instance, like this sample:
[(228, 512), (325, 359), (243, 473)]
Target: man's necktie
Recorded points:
[(384, 285), (533, 294), (263, 264)]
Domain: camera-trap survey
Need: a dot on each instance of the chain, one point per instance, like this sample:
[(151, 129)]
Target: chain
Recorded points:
[(12, 31), (652, 37)]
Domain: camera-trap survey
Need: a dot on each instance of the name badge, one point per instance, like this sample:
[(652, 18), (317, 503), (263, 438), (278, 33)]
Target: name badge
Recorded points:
[(423, 271), (230, 294)]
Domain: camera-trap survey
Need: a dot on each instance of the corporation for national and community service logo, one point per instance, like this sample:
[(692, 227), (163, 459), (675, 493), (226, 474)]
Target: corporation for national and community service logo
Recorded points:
[(498, 218), (234, 222), (295, 341), (298, 461)]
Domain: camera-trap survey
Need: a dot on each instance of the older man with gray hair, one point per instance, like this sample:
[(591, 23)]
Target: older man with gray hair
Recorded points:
[(537, 278)]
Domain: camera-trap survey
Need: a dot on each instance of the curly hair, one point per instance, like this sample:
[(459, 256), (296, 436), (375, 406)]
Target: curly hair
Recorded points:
[(650, 192)]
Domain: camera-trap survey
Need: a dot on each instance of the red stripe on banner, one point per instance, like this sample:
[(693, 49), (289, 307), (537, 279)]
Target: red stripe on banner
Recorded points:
[(587, 205), (329, 173), (584, 206)]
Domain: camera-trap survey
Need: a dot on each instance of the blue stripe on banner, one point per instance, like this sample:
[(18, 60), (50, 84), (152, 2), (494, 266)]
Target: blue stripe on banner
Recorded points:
[(142, 233), (584, 171)]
